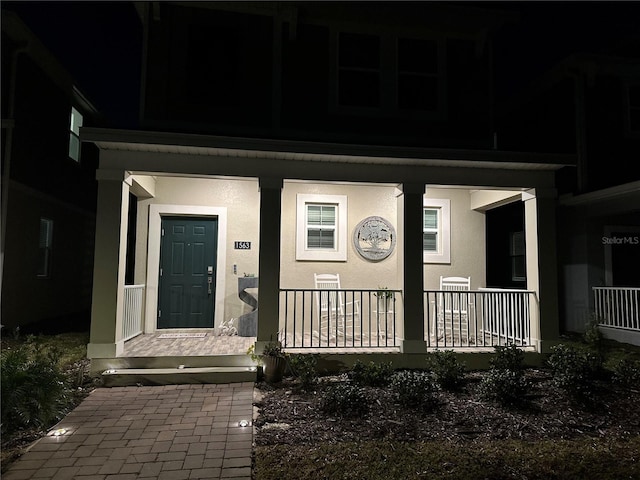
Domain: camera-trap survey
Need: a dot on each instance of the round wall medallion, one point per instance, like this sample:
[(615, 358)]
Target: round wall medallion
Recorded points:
[(374, 238)]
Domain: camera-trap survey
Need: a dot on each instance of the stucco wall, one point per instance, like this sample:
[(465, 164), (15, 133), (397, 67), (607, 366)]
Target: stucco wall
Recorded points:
[(356, 272), (468, 257), (242, 200)]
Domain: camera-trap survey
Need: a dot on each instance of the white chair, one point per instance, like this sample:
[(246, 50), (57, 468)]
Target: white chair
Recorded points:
[(453, 308), (337, 316)]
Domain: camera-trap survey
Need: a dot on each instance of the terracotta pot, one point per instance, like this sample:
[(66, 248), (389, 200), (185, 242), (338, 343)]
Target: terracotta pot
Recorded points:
[(273, 368)]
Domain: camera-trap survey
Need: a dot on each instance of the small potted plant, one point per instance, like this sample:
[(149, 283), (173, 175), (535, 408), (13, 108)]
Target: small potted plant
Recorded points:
[(273, 360), (385, 296)]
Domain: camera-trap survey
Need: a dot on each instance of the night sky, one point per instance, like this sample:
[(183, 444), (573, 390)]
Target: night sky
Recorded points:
[(99, 43)]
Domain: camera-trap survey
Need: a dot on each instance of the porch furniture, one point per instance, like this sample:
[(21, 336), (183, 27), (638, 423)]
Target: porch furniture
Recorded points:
[(453, 306), (248, 323), (337, 316)]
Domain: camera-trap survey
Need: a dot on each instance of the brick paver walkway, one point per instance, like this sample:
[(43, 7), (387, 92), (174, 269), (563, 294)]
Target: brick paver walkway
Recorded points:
[(171, 432)]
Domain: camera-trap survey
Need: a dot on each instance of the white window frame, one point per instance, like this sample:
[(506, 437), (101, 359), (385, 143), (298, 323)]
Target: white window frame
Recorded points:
[(518, 249), (45, 245), (443, 253), (389, 78), (339, 254), (75, 122)]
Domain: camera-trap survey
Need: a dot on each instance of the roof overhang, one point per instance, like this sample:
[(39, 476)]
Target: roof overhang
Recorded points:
[(235, 147), (619, 199)]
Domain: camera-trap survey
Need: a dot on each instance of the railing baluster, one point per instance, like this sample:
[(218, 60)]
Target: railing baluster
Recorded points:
[(132, 311), (617, 307)]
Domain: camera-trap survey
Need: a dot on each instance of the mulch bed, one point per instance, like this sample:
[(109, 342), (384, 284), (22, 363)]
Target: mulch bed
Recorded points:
[(289, 415)]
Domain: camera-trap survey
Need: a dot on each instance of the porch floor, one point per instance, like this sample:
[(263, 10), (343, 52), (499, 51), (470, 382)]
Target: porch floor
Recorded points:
[(151, 345)]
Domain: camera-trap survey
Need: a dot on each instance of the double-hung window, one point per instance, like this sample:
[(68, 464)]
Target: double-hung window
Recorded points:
[(518, 258), (359, 70), (74, 134), (45, 248), (388, 74), (417, 74), (321, 227), (436, 236)]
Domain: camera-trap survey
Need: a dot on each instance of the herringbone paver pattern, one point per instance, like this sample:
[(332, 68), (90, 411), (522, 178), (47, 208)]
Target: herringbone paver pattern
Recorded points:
[(171, 432)]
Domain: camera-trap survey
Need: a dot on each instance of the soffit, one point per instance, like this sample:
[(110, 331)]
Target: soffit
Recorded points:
[(245, 148)]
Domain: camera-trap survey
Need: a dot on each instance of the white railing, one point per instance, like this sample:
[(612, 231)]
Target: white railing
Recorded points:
[(477, 318), (618, 307), (319, 318), (132, 315)]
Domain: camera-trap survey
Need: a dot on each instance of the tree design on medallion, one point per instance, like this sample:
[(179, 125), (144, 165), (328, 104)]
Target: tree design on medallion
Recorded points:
[(374, 238)]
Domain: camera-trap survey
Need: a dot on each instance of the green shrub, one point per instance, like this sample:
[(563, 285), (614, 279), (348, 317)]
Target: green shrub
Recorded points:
[(505, 386), (34, 393), (508, 358), (593, 336), (448, 370), (371, 374), (595, 341), (414, 388), (345, 399), (573, 372), (303, 368), (505, 382), (626, 372)]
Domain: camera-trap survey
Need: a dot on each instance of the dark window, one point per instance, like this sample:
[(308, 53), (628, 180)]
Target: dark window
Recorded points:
[(212, 67), (518, 258), (358, 70), (45, 248), (417, 74)]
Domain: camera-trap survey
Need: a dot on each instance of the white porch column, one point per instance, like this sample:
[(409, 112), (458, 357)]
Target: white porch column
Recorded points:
[(542, 267), (269, 260), (412, 267), (109, 264)]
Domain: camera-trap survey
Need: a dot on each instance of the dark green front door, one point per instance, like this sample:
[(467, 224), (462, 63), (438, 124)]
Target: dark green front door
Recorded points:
[(187, 272)]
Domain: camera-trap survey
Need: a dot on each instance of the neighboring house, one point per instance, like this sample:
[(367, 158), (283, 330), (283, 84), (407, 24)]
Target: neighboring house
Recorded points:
[(48, 188), (286, 139), (590, 104)]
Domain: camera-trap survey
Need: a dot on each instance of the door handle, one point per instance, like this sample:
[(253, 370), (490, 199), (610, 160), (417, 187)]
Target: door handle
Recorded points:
[(209, 283)]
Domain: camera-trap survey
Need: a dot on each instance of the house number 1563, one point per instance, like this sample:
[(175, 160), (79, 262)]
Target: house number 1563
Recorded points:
[(242, 245)]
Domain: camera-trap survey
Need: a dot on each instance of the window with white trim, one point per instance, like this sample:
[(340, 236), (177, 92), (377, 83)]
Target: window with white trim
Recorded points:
[(518, 258), (436, 230), (74, 134), (388, 74), (45, 248), (321, 227)]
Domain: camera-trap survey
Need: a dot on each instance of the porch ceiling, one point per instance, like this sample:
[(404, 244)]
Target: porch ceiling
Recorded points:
[(251, 148)]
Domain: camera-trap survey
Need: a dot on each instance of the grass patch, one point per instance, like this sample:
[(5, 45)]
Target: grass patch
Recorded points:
[(72, 347), (585, 458)]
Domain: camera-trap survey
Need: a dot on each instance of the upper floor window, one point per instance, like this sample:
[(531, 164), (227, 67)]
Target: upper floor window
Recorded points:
[(417, 74), (74, 134), (436, 230), (388, 73), (321, 227), (359, 70)]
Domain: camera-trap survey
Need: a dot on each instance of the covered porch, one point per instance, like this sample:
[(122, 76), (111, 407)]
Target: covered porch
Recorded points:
[(258, 202)]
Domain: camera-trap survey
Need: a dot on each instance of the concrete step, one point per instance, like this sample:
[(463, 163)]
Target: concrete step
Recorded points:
[(120, 377)]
